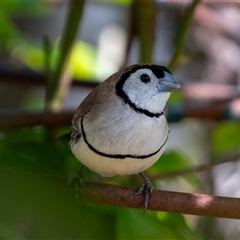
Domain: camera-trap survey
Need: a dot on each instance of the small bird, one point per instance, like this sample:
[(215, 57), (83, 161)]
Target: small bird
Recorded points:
[(120, 128)]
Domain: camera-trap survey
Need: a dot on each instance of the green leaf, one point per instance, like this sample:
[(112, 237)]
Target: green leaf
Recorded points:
[(23, 7), (178, 222), (30, 55), (119, 2), (174, 161), (83, 69), (34, 206), (175, 97), (7, 30), (7, 231), (226, 137), (131, 224), (25, 152)]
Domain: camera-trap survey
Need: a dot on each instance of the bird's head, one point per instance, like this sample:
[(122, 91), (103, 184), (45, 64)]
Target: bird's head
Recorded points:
[(147, 86)]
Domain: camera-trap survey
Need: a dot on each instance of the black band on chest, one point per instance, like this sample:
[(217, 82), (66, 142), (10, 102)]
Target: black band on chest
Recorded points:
[(119, 156), (124, 96)]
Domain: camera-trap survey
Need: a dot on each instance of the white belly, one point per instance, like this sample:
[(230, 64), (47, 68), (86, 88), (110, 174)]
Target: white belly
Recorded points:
[(109, 167)]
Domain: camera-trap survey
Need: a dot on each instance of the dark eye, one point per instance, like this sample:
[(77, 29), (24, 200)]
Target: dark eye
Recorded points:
[(145, 78)]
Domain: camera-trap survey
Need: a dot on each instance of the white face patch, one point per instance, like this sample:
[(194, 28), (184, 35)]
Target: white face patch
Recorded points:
[(145, 95)]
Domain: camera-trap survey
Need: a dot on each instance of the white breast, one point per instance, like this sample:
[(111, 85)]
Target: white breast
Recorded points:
[(125, 132), (129, 133)]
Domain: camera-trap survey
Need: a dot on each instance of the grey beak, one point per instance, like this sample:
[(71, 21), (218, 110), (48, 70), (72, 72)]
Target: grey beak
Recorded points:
[(167, 83)]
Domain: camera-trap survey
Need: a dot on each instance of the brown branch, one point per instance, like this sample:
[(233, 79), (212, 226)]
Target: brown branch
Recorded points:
[(9, 74), (17, 119), (20, 119), (199, 91), (184, 203)]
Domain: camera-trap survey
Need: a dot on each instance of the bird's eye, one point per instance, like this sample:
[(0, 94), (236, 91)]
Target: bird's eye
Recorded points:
[(145, 78)]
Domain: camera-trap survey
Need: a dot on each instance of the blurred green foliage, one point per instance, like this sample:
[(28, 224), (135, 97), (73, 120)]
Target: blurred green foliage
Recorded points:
[(26, 50), (152, 226), (120, 2), (226, 138), (9, 33), (36, 202), (173, 161), (38, 207), (33, 57)]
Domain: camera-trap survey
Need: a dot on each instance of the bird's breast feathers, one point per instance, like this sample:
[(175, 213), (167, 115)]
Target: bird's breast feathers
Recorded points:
[(135, 141), (125, 132)]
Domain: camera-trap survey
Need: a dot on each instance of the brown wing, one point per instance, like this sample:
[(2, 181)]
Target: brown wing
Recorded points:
[(96, 96), (83, 108)]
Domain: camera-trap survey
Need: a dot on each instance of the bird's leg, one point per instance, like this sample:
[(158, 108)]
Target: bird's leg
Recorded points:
[(147, 188), (77, 180)]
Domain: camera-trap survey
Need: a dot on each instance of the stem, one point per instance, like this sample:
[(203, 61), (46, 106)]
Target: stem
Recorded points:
[(144, 13), (70, 31), (180, 42)]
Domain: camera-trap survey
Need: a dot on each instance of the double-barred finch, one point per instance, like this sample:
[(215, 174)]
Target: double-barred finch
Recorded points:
[(120, 128)]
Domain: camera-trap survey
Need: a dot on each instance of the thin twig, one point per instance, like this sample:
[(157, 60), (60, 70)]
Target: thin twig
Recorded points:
[(180, 41), (19, 119), (30, 78), (144, 14), (197, 169), (70, 31)]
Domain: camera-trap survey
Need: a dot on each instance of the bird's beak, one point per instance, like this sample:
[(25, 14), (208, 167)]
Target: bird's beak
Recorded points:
[(167, 83)]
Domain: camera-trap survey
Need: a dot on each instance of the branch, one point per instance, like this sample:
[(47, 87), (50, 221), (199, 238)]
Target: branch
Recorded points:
[(28, 77), (180, 41), (207, 91), (144, 14), (13, 119), (19, 119), (184, 203)]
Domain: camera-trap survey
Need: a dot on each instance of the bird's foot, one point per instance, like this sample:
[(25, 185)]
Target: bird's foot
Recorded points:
[(77, 181), (147, 189)]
